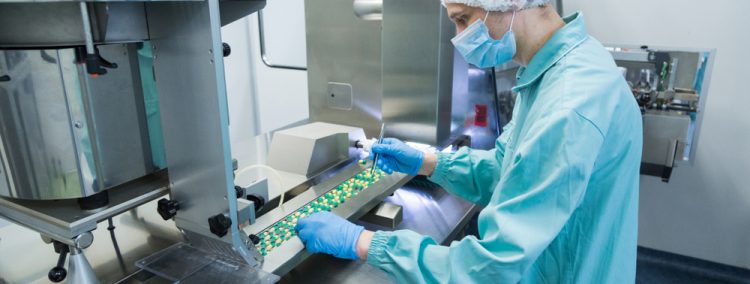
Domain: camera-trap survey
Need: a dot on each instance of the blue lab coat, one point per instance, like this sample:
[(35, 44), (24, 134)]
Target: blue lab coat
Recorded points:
[(560, 189)]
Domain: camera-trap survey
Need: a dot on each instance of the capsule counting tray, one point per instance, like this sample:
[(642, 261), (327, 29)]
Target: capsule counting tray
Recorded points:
[(283, 230)]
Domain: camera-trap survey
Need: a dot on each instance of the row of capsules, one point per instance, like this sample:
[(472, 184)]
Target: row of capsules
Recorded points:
[(283, 230)]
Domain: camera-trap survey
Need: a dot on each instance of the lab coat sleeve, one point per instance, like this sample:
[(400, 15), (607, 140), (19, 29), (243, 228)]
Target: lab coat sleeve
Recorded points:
[(470, 174), (536, 196)]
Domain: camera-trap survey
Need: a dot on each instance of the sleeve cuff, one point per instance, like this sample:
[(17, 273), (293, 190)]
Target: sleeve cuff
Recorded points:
[(378, 245), (440, 174)]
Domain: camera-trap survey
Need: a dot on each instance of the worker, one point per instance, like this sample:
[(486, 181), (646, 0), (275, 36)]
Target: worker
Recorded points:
[(560, 189)]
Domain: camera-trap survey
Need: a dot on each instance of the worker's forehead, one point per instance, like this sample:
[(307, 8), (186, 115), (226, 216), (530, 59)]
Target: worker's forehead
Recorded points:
[(455, 10)]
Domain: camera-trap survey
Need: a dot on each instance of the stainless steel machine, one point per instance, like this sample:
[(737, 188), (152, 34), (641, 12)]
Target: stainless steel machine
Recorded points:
[(671, 87), (79, 120), (69, 135), (393, 62), (109, 105)]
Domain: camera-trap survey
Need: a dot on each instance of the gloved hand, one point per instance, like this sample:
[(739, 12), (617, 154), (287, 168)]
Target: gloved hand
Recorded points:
[(325, 232), (397, 156)]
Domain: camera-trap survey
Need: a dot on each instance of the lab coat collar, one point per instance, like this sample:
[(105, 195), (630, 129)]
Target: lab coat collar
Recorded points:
[(560, 44)]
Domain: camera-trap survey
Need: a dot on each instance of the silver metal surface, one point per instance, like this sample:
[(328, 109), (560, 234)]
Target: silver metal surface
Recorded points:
[(63, 220), (386, 214), (628, 54), (59, 23), (418, 72), (427, 210), (311, 148), (65, 134), (79, 269), (661, 132), (189, 69), (83, 241), (86, 23), (290, 253), (187, 43), (398, 70), (233, 10), (693, 73), (369, 10), (140, 232), (344, 49)]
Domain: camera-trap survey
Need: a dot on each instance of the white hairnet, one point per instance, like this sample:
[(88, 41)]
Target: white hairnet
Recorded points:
[(499, 5)]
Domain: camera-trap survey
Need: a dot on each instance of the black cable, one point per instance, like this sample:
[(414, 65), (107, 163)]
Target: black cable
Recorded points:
[(497, 101), (111, 229)]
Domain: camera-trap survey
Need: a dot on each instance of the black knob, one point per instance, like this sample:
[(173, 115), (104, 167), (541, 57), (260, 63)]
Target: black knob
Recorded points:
[(57, 274), (219, 224), (226, 49), (167, 208), (255, 239), (4, 78), (258, 200), (239, 190)]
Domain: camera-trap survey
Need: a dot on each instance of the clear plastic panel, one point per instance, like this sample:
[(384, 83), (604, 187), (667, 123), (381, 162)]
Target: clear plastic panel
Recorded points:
[(182, 263)]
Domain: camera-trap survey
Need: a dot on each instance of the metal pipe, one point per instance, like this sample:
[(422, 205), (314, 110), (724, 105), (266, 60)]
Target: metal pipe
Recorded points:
[(87, 28)]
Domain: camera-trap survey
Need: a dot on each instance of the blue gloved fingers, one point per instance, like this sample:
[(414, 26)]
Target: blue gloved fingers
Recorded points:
[(305, 234), (325, 232), (382, 149), (314, 246), (381, 162), (306, 226), (386, 169), (389, 141), (301, 225), (323, 216), (385, 149), (380, 144)]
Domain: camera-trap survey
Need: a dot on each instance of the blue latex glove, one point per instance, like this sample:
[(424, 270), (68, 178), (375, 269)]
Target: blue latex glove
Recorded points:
[(395, 155), (325, 232)]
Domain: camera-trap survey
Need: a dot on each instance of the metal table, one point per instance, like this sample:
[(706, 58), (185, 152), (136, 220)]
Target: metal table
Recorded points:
[(427, 209)]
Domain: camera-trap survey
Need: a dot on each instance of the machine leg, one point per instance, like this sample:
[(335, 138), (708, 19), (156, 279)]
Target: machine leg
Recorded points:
[(79, 269)]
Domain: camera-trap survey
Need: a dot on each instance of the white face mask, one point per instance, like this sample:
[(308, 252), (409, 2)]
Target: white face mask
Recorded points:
[(479, 48)]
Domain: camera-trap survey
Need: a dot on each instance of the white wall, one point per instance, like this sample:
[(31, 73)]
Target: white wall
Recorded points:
[(239, 72), (282, 92), (261, 99), (704, 211)]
